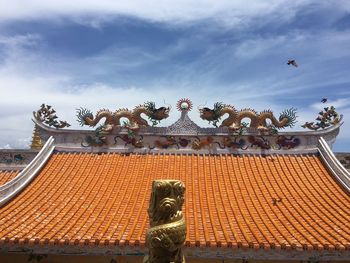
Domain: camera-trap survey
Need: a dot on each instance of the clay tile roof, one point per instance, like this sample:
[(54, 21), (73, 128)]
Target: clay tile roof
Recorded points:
[(281, 202), (6, 176)]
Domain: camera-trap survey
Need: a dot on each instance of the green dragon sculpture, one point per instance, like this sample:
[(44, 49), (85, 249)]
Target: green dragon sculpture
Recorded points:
[(153, 114), (257, 120), (167, 232), (326, 118), (99, 139), (113, 119)]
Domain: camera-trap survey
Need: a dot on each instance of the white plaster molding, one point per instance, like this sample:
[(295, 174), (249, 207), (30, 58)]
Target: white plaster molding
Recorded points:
[(185, 128), (341, 174), (13, 187)]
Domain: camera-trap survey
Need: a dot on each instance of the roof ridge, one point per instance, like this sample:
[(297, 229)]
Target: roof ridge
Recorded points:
[(13, 187), (341, 174)]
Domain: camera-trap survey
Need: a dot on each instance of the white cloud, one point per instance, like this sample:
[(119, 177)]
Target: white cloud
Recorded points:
[(252, 48), (338, 104), (23, 88), (92, 12), (19, 40), (29, 78)]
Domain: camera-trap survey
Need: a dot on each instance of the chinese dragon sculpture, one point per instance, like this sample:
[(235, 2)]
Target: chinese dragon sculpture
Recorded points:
[(153, 114), (287, 143), (99, 139), (327, 117), (233, 144), (131, 139), (167, 232), (259, 142), (112, 119), (257, 120)]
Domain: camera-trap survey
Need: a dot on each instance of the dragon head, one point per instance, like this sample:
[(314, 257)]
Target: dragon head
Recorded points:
[(207, 114), (160, 113), (212, 115), (156, 115), (166, 201)]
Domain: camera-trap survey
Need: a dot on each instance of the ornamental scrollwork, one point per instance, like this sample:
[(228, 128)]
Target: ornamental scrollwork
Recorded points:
[(228, 142), (287, 143), (46, 114), (130, 138), (9, 158), (200, 143), (99, 139), (170, 141), (327, 117), (259, 142)]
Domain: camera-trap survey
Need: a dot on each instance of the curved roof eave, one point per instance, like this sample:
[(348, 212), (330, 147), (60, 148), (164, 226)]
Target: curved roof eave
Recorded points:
[(18, 183), (341, 174)]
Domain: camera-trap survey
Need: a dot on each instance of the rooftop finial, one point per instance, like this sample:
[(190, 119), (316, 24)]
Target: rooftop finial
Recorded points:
[(46, 114), (184, 105), (36, 140), (327, 117)]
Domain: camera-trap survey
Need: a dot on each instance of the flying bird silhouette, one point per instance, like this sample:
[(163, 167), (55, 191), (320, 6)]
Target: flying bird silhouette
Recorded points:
[(292, 62), (324, 100)]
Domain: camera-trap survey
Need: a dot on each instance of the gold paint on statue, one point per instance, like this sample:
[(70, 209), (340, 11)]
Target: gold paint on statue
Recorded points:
[(167, 232)]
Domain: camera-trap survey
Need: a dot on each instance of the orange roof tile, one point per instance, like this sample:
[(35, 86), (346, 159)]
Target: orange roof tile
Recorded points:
[(230, 201), (6, 176)]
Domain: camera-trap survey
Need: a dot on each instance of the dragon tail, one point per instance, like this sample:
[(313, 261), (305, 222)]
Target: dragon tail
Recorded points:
[(290, 115), (82, 115)]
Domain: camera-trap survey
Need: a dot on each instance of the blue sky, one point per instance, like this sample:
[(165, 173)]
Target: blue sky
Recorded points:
[(113, 54)]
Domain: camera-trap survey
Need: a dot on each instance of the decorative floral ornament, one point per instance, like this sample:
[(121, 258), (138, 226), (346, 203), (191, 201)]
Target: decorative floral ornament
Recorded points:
[(326, 118), (46, 114)]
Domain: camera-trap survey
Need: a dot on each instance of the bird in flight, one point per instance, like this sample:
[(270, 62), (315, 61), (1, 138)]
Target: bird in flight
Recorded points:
[(292, 62), (324, 100)]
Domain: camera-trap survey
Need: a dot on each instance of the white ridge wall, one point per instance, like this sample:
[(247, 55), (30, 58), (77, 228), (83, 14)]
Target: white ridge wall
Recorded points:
[(13, 187), (341, 174)]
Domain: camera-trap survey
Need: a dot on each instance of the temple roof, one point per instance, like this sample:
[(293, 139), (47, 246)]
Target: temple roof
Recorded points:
[(6, 176), (278, 202), (247, 188)]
